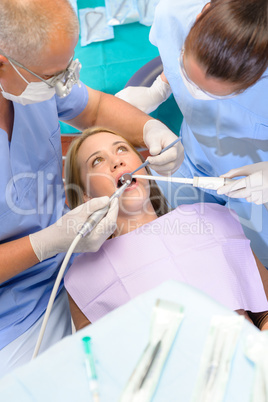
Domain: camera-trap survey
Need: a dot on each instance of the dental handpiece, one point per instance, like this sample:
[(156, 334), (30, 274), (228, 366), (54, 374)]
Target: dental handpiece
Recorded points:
[(210, 183), (87, 227), (97, 216)]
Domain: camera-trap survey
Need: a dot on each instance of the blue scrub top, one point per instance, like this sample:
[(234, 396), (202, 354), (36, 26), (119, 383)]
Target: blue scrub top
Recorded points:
[(32, 197), (218, 135)]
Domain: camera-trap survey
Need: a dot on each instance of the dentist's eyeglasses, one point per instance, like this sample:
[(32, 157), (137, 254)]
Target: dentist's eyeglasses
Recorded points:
[(63, 81), (183, 72)]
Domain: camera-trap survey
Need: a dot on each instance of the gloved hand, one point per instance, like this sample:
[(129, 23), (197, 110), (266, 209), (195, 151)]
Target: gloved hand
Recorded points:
[(253, 187), (58, 237), (146, 99), (156, 137)]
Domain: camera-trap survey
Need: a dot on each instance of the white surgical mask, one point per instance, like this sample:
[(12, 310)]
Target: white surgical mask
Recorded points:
[(194, 90), (34, 92)]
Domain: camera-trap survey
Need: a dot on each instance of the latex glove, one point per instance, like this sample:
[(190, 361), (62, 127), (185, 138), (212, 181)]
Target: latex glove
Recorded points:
[(146, 99), (58, 237), (253, 187), (156, 137)]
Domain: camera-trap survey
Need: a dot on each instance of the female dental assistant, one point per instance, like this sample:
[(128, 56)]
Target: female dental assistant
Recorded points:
[(37, 42), (215, 58)]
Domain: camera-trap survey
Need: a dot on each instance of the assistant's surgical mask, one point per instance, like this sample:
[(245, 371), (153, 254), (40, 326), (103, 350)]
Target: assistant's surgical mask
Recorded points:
[(194, 90), (61, 84)]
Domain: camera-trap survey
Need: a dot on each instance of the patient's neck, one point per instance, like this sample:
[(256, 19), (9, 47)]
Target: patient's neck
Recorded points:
[(128, 222)]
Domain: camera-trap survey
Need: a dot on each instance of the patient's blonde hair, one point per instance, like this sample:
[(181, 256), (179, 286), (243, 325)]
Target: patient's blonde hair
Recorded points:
[(74, 187)]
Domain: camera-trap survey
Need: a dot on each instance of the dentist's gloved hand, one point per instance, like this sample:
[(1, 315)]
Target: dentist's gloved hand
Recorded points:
[(156, 137), (58, 237), (146, 99), (253, 187)]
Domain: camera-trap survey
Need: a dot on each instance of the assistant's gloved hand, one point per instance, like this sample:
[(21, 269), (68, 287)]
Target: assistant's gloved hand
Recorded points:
[(146, 99), (58, 237), (156, 137), (253, 187)]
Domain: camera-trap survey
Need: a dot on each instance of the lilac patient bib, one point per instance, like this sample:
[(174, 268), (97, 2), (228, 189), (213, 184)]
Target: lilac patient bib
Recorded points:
[(202, 245)]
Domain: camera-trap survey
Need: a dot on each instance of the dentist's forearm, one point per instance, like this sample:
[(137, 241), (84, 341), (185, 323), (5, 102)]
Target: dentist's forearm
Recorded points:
[(16, 256), (107, 111)]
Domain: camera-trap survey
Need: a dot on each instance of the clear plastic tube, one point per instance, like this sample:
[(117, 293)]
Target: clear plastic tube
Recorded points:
[(216, 359)]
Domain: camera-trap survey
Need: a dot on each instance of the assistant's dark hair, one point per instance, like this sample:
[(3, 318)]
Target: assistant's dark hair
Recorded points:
[(230, 40)]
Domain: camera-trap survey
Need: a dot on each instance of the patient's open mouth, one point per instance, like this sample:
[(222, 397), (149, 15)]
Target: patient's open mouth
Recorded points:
[(119, 183)]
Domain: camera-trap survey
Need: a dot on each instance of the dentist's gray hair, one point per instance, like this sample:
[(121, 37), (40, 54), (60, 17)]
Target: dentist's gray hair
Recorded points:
[(27, 26)]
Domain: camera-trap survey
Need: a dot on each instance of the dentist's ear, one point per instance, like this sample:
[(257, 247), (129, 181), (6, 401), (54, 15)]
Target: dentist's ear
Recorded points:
[(3, 63), (3, 60)]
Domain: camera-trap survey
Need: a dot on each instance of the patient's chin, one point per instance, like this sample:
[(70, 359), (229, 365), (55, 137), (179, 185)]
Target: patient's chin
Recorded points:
[(128, 207)]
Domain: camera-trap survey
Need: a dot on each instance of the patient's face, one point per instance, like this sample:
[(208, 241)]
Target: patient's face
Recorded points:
[(103, 158)]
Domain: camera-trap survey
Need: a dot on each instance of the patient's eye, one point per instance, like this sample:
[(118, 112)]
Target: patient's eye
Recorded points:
[(122, 148), (97, 160)]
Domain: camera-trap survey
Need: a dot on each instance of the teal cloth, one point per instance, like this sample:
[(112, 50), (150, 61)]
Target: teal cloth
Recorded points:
[(108, 65)]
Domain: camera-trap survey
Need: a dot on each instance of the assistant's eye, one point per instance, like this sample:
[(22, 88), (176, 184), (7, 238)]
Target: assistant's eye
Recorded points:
[(122, 148), (97, 160)]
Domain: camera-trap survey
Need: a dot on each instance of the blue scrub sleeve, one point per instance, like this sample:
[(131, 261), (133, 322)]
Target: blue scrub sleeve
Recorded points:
[(73, 104)]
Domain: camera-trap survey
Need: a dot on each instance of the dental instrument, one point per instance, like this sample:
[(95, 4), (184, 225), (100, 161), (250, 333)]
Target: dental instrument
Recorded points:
[(213, 366), (91, 23), (166, 319), (120, 12), (150, 363), (90, 368), (146, 10), (211, 183), (128, 176), (256, 350), (115, 20), (216, 360), (87, 227), (94, 27)]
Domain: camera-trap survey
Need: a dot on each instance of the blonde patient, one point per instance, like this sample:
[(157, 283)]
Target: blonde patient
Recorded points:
[(94, 164)]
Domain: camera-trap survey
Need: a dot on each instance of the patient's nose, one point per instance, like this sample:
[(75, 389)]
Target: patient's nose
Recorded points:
[(118, 162)]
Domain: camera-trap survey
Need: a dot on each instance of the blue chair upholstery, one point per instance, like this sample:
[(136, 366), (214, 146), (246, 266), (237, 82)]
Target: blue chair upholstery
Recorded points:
[(146, 75), (168, 112)]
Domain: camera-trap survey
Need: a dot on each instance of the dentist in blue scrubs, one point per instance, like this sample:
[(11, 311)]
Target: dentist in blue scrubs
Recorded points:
[(215, 62), (39, 85)]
